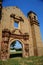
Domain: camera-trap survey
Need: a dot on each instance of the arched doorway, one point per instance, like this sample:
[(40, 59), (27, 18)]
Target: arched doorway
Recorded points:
[(16, 49)]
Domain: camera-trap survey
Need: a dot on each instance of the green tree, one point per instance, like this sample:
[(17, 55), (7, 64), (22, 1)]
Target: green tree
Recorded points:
[(13, 44)]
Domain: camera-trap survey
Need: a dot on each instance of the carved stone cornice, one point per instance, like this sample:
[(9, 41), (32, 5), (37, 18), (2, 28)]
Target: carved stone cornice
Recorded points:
[(19, 18), (6, 30), (7, 33), (34, 22), (21, 36)]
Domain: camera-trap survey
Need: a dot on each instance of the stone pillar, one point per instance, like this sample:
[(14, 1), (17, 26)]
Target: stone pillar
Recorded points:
[(26, 50), (4, 44)]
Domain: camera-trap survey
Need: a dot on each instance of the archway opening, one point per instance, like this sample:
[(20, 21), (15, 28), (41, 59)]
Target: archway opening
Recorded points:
[(16, 49)]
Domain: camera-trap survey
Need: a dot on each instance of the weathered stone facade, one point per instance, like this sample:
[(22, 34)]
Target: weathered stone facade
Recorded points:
[(28, 32)]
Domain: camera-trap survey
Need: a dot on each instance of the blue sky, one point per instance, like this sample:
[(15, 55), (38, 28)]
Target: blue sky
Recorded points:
[(26, 6), (17, 45)]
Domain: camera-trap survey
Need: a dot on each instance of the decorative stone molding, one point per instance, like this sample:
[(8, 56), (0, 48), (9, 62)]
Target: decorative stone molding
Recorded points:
[(6, 35), (19, 18), (34, 22)]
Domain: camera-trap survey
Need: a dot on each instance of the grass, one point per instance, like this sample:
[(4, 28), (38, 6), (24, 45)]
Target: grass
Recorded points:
[(23, 61), (17, 52)]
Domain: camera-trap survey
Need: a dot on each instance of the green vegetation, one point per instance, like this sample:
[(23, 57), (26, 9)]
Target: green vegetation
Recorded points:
[(23, 61), (19, 49), (18, 52)]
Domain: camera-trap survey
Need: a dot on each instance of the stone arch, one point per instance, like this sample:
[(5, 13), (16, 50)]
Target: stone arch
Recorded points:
[(8, 38), (10, 41), (19, 40)]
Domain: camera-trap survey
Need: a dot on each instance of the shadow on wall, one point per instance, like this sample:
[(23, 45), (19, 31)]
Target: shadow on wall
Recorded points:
[(15, 55)]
